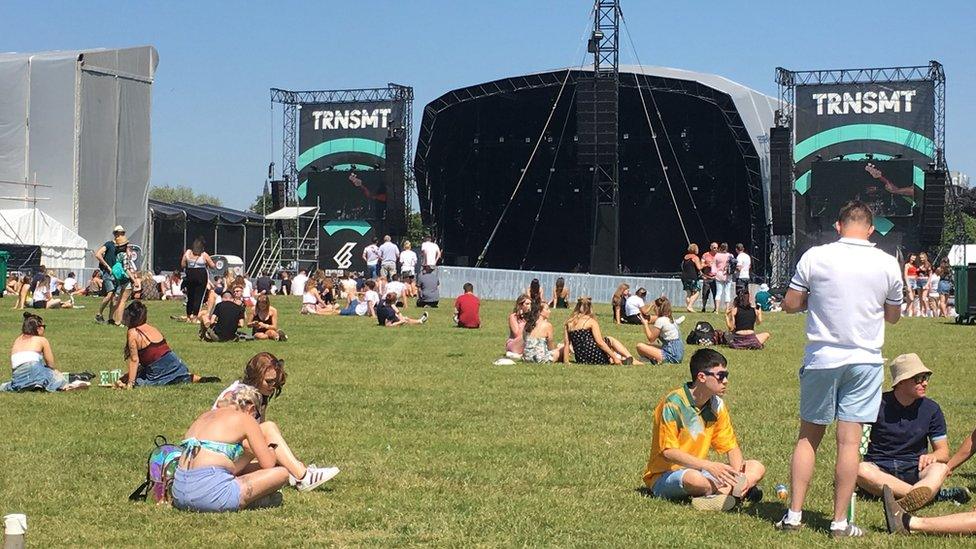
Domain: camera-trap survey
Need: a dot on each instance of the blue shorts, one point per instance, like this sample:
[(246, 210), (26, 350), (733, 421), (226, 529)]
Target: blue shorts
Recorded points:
[(670, 485), (944, 287), (207, 490), (904, 470), (920, 283), (851, 392), (108, 283), (350, 309), (674, 351), (169, 369), (35, 376)]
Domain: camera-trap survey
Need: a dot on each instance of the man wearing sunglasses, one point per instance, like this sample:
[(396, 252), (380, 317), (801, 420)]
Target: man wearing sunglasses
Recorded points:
[(690, 421), (898, 454)]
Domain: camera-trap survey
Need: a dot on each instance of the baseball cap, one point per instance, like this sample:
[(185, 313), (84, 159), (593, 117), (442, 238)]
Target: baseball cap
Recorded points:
[(118, 229), (905, 367)]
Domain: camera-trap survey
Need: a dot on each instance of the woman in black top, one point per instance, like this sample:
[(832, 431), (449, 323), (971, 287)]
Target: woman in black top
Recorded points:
[(741, 319), (194, 263)]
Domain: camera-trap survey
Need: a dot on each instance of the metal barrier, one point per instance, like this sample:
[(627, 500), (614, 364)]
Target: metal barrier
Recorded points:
[(507, 285)]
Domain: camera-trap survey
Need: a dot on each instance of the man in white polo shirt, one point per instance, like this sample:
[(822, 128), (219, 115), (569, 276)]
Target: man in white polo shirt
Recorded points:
[(849, 289), (430, 251)]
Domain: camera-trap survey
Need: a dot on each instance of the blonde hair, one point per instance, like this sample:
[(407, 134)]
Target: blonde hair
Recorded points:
[(241, 397), (693, 248), (584, 307)]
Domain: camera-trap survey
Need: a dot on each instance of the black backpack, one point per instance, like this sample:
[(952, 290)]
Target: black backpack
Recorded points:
[(732, 264), (702, 334)]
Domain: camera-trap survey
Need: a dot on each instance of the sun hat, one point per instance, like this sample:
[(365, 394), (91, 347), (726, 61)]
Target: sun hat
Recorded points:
[(905, 367), (118, 229)]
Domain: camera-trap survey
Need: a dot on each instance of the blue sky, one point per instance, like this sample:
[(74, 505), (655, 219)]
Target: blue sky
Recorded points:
[(211, 109)]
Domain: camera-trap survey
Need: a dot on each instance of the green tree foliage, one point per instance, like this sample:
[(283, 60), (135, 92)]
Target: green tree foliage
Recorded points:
[(262, 204), (179, 193)]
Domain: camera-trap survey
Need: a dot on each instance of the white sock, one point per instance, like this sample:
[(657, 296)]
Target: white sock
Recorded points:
[(838, 525), (794, 517)]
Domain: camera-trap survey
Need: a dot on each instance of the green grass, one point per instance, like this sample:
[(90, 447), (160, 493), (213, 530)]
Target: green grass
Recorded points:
[(436, 445)]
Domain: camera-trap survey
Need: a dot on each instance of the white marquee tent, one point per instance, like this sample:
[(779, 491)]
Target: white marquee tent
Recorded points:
[(61, 248)]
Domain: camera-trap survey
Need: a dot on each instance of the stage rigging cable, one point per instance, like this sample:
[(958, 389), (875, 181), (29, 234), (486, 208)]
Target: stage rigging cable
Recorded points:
[(535, 148)]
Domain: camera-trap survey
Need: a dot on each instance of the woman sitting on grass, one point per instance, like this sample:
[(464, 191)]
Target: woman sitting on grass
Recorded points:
[(540, 345), (150, 360), (560, 295), (582, 334), (516, 323), (42, 296), (22, 292), (264, 323), (617, 301), (32, 361), (312, 303), (741, 319), (214, 474), (266, 373), (661, 326)]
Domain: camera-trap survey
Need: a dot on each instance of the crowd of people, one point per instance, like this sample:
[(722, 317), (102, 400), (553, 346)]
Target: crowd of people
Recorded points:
[(233, 458)]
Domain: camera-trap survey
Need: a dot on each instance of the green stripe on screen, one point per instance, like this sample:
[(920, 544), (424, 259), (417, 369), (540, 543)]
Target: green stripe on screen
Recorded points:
[(869, 132), (343, 145)]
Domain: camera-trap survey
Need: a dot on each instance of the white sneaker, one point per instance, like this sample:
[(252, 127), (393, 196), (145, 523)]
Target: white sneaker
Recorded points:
[(680, 319), (315, 477)]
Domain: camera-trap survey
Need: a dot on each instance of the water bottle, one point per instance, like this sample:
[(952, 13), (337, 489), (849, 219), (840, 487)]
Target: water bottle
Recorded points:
[(781, 492), (14, 528)]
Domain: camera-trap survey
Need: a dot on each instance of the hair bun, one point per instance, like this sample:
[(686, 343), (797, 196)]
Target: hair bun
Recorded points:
[(28, 314)]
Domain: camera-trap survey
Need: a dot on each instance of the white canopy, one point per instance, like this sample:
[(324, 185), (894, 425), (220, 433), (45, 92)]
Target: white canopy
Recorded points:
[(290, 212), (960, 256), (61, 248)]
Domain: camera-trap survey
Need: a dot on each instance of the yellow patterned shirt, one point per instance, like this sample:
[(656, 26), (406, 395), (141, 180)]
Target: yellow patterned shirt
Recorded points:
[(678, 423)]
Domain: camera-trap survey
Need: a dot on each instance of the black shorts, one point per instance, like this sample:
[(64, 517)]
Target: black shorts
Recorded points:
[(903, 470), (632, 319)]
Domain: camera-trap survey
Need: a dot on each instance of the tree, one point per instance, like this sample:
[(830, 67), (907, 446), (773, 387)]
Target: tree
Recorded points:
[(179, 193), (262, 204)]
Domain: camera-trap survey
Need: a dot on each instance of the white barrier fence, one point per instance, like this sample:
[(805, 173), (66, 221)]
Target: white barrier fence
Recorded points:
[(507, 285)]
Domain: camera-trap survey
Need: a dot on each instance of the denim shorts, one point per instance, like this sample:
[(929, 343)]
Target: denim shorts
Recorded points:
[(206, 489), (108, 283), (35, 375), (904, 470), (167, 370), (851, 392), (671, 485), (350, 309), (944, 287), (674, 351)]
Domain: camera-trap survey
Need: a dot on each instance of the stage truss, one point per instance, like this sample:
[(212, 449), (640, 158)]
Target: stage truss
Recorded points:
[(783, 252)]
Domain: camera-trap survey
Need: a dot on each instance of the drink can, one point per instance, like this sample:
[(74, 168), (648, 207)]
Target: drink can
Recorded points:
[(781, 491), (105, 377), (116, 375)]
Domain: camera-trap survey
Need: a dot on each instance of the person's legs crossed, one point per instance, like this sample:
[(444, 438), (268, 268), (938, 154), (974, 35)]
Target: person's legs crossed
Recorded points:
[(260, 483), (650, 352)]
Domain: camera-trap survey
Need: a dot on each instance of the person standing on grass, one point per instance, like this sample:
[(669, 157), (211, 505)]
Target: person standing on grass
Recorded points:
[(849, 290), (709, 287), (430, 251), (688, 422), (743, 262), (371, 255), (389, 254), (897, 454), (195, 262), (103, 255), (467, 307)]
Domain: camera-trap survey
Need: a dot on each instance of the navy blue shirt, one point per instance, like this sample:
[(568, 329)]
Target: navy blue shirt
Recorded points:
[(903, 433), (384, 313)]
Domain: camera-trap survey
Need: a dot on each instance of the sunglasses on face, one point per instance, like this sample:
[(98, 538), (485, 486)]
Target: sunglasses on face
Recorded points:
[(719, 376), (272, 382), (921, 378)]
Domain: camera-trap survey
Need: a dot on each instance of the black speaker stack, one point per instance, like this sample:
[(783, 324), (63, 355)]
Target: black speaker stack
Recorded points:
[(781, 180), (933, 207)]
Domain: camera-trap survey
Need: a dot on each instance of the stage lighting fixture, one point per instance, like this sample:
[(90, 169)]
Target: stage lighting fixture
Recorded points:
[(626, 136), (271, 170)]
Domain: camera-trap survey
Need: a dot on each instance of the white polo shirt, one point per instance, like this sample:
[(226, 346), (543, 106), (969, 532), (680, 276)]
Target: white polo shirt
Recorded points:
[(742, 263), (848, 282)]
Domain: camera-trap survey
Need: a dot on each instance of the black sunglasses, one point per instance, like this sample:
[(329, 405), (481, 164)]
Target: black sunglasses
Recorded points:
[(719, 376), (921, 378)]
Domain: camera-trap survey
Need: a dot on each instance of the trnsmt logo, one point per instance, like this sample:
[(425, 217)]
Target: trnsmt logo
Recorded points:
[(351, 119), (869, 102)]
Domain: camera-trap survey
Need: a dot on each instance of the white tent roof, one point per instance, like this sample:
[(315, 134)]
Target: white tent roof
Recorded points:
[(61, 248), (290, 212)]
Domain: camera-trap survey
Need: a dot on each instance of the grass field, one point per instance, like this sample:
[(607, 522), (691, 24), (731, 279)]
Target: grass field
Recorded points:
[(436, 445)]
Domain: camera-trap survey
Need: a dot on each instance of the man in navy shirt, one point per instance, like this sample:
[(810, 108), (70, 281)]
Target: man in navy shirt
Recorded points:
[(898, 454)]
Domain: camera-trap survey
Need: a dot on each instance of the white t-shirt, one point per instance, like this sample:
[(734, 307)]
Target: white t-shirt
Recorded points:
[(933, 285), (849, 282), (742, 264), (248, 289), (298, 284), (369, 297), (408, 260), (396, 287), (70, 284), (372, 253), (633, 305), (430, 250), (669, 330)]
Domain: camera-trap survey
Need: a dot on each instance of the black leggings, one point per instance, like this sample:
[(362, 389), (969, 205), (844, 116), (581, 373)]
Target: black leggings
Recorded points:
[(196, 290), (708, 288)]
